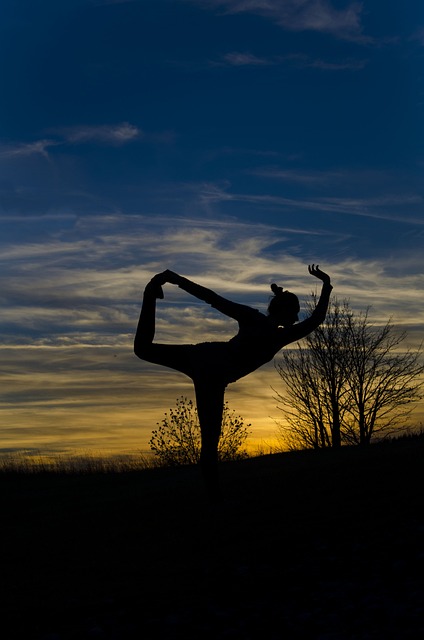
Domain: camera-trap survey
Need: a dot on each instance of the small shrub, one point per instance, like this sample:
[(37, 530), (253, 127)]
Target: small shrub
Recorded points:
[(177, 440)]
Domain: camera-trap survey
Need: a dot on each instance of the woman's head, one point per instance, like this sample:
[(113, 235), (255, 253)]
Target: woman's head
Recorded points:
[(284, 306)]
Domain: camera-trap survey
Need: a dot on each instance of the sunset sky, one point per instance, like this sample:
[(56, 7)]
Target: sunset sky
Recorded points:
[(232, 141)]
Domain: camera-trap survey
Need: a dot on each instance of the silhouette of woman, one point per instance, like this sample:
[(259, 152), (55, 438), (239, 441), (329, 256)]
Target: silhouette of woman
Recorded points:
[(214, 365)]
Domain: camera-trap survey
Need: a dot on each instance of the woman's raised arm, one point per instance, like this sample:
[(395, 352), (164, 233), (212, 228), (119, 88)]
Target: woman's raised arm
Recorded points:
[(227, 307), (194, 289)]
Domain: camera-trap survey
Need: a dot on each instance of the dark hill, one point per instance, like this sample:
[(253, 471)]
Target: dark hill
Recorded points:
[(320, 545)]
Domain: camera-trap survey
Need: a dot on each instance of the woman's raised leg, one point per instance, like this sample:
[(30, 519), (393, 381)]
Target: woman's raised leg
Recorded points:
[(173, 356), (147, 321)]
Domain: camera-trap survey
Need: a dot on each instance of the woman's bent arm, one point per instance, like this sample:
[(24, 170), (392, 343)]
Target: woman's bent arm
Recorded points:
[(317, 317)]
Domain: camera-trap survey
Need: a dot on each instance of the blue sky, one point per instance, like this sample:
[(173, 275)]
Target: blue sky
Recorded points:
[(233, 141)]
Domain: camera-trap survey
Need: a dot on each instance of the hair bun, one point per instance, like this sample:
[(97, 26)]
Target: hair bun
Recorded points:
[(276, 290)]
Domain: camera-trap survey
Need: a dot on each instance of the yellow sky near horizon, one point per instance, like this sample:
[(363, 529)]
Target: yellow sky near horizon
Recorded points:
[(102, 399), (113, 407)]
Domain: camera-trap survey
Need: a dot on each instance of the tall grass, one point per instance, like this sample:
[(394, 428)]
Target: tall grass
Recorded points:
[(23, 462), (80, 463)]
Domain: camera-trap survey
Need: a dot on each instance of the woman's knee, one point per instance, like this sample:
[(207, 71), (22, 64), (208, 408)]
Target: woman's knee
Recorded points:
[(142, 350)]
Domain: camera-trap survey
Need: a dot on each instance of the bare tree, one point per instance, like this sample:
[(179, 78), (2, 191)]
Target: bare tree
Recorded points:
[(348, 382), (177, 440), (315, 380), (383, 380)]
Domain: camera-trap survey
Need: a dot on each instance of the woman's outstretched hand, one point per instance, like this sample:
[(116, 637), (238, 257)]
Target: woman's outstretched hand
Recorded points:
[(321, 275)]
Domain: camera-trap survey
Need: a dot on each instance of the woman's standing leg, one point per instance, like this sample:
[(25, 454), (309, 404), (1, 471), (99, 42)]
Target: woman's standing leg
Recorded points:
[(188, 360), (210, 407)]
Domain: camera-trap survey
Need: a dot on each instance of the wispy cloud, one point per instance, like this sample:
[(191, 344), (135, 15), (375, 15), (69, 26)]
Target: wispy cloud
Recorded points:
[(350, 180), (115, 135), (298, 60), (385, 207), (91, 280), (307, 62), (297, 177), (24, 150), (109, 134), (299, 15), (244, 59)]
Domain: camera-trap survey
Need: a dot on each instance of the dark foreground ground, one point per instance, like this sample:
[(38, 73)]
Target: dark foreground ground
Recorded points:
[(326, 546)]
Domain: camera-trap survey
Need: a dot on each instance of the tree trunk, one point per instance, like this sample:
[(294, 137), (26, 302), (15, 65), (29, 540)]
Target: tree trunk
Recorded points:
[(335, 430)]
